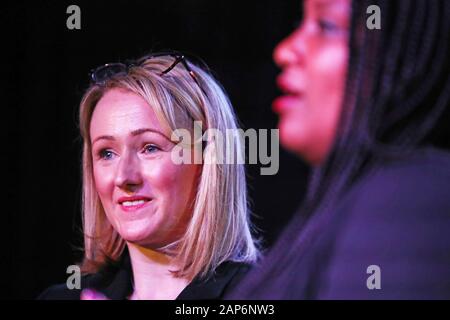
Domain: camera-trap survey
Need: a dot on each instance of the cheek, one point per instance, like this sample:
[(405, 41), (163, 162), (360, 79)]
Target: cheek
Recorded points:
[(327, 75), (104, 182), (173, 182)]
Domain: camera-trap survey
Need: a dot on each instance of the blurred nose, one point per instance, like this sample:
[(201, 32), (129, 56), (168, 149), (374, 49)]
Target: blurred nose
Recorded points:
[(290, 50), (128, 176)]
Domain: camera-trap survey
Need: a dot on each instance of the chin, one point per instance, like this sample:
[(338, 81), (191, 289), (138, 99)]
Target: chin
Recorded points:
[(297, 141), (292, 136), (135, 236)]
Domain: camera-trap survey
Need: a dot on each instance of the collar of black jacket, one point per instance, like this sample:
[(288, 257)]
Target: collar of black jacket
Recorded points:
[(116, 282)]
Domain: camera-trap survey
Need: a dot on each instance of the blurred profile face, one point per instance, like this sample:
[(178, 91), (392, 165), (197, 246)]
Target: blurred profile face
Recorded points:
[(147, 198), (313, 59)]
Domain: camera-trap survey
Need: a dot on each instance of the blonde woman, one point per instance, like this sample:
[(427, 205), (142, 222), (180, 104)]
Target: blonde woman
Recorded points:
[(153, 228)]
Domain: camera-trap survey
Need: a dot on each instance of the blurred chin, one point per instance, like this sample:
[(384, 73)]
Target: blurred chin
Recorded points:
[(294, 136)]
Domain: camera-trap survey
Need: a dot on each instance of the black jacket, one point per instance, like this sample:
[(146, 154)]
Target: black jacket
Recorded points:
[(397, 218), (116, 283)]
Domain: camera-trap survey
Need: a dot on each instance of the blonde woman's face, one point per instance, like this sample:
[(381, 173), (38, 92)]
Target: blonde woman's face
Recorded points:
[(147, 198), (313, 59)]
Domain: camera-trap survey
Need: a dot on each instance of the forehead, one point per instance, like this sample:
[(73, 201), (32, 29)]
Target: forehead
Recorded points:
[(322, 5), (120, 112)]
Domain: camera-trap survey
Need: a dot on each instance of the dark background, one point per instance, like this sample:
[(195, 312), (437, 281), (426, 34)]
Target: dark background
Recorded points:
[(44, 73)]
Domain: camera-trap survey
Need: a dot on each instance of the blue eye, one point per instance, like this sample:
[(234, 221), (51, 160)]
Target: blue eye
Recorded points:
[(106, 154), (150, 148)]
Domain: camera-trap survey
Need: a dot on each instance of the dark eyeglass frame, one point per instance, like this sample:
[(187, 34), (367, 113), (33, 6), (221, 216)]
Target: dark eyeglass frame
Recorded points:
[(101, 74)]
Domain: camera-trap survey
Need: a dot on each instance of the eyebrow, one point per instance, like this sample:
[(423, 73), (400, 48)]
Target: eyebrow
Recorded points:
[(133, 133)]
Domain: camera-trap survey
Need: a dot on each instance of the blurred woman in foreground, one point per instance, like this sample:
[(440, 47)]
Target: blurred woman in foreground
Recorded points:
[(366, 108)]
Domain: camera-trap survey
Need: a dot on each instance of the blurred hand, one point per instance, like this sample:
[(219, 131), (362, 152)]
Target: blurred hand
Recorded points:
[(89, 294)]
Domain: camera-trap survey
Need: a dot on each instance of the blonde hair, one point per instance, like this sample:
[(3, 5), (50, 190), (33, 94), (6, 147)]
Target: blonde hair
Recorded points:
[(220, 228)]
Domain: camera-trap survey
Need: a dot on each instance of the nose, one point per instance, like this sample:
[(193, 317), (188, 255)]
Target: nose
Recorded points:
[(290, 50), (128, 175)]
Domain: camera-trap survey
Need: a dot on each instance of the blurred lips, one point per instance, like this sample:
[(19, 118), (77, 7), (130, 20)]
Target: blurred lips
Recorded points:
[(133, 203), (286, 103), (293, 97)]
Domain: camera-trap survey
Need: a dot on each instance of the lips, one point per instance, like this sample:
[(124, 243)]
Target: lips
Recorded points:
[(286, 103), (293, 97), (133, 203)]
